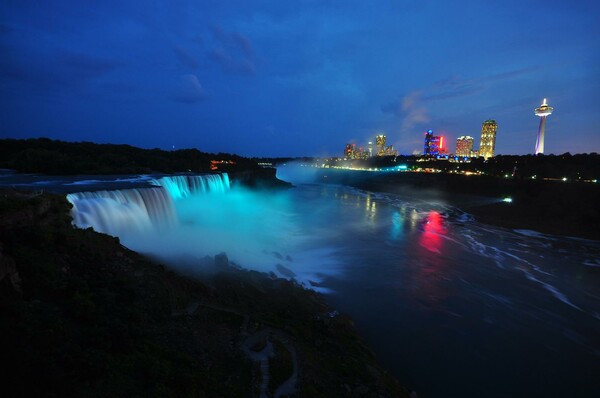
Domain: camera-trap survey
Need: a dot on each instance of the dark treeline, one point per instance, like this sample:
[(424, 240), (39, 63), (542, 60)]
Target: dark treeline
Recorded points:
[(573, 167), (42, 155)]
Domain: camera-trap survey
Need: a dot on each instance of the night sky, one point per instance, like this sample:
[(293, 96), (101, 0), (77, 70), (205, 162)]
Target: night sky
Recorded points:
[(293, 78)]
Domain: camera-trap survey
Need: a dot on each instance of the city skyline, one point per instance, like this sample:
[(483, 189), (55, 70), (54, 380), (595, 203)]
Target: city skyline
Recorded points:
[(245, 78)]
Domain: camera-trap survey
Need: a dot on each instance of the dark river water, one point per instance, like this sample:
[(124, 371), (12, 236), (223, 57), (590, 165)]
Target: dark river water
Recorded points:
[(452, 307), (456, 308)]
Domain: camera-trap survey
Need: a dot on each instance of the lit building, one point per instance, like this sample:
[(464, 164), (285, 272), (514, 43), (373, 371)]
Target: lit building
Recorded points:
[(464, 146), (352, 152), (543, 111), (488, 138), (383, 150), (380, 143), (370, 148), (361, 153), (349, 151), (433, 144)]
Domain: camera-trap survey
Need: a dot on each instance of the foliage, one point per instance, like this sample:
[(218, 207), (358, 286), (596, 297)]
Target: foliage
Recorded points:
[(43, 155)]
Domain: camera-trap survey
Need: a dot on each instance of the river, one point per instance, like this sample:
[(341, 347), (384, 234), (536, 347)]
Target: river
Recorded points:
[(452, 307)]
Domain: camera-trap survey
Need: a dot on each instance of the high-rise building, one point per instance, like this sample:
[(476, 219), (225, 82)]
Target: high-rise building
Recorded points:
[(464, 146), (370, 148), (349, 151), (432, 144), (488, 138), (543, 111), (352, 152), (380, 143)]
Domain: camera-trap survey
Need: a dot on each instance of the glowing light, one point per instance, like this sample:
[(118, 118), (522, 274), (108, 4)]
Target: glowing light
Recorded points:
[(507, 200), (433, 230), (564, 179), (441, 142)]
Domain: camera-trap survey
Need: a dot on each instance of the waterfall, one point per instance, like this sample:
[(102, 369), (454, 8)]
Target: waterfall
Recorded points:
[(184, 186), (182, 219), (141, 209), (112, 212)]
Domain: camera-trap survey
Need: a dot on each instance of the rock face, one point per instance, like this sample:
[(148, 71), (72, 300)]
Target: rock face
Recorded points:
[(264, 178), (221, 261), (288, 273)]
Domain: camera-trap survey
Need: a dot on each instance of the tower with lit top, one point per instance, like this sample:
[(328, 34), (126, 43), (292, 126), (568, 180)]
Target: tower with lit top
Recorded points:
[(543, 111)]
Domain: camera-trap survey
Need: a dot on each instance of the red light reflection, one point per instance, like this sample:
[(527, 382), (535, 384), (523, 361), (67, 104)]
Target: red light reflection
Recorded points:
[(433, 230), (429, 288)]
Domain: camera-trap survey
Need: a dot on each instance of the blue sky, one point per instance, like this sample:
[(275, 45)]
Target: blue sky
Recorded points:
[(293, 78)]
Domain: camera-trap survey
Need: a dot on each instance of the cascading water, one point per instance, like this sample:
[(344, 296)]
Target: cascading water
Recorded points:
[(186, 186), (115, 212), (185, 218)]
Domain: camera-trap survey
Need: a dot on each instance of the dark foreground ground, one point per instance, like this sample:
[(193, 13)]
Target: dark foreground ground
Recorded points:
[(81, 315), (553, 207)]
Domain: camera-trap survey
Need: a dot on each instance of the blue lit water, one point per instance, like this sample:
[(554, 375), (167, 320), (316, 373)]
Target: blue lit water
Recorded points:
[(450, 306)]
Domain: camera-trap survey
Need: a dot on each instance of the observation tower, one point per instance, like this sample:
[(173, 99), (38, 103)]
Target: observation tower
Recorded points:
[(543, 111)]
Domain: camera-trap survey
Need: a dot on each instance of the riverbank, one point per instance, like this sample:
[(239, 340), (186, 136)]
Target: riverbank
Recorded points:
[(81, 314), (552, 207)]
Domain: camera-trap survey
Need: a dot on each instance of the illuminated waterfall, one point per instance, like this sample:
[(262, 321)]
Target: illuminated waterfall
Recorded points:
[(136, 210), (185, 186), (183, 219), (124, 210)]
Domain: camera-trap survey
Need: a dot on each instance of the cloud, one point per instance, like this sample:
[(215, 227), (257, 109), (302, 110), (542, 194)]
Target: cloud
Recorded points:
[(87, 66), (190, 90), (231, 64), (454, 89), (455, 86), (413, 111), (412, 107), (186, 57), (52, 73), (244, 44), (233, 52)]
